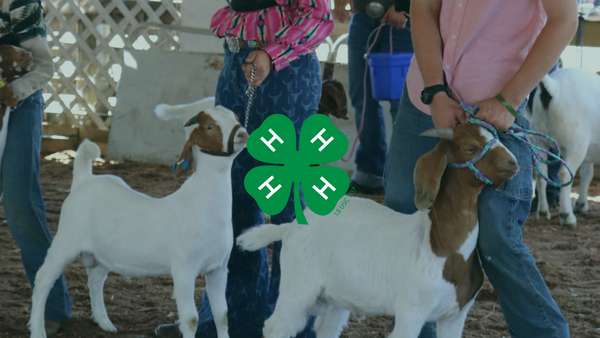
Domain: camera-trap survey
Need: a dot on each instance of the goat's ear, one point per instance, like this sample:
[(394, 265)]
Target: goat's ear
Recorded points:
[(186, 164), (428, 175)]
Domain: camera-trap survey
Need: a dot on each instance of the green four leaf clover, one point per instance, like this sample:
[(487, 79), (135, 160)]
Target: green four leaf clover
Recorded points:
[(275, 142)]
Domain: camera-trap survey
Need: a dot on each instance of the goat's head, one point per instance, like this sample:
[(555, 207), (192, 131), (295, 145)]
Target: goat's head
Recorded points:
[(460, 144), (215, 131)]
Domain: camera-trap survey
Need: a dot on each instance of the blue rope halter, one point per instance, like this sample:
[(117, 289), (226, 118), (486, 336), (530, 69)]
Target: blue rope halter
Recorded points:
[(514, 131)]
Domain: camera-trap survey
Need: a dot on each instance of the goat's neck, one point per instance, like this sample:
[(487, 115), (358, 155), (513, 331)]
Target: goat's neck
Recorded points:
[(211, 179), (454, 212)]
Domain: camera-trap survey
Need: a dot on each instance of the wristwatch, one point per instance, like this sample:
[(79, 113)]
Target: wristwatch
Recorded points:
[(428, 92)]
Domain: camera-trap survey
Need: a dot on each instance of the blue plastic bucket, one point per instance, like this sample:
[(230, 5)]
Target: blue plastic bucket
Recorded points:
[(388, 73)]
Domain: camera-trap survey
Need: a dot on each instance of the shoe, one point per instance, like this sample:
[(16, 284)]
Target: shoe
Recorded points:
[(168, 331), (363, 189), (52, 327)]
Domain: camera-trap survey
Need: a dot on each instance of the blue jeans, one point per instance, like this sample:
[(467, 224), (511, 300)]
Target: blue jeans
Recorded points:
[(371, 152), (23, 201), (293, 91), (527, 305)]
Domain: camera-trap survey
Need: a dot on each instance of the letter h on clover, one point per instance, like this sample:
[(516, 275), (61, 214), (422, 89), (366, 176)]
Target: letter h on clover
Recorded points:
[(275, 142)]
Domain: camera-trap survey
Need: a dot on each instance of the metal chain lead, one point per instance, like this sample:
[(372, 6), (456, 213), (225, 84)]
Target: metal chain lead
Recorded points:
[(250, 94)]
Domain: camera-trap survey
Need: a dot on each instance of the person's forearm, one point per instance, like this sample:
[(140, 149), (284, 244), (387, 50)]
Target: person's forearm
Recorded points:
[(43, 69), (427, 40), (553, 39)]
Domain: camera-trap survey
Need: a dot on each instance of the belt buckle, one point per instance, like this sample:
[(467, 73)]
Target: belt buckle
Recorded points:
[(233, 43)]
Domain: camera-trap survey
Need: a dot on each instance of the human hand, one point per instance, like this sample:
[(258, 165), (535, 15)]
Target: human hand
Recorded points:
[(493, 112), (394, 19), (262, 60), (445, 112)]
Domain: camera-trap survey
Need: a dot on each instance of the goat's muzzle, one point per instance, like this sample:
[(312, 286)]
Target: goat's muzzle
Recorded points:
[(510, 169)]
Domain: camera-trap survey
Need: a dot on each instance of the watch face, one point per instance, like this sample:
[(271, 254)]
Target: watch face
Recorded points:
[(425, 96)]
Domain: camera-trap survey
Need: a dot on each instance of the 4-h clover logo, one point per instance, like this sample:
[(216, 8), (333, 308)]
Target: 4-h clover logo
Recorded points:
[(275, 142)]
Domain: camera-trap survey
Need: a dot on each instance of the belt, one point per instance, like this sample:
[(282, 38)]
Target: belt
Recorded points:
[(234, 43)]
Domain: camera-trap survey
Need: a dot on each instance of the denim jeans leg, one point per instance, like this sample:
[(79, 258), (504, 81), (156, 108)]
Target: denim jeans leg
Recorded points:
[(371, 152), (251, 291), (405, 149), (525, 300), (23, 200)]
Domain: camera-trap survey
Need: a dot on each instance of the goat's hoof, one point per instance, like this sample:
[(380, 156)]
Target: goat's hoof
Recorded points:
[(38, 333), (543, 215), (581, 208), (568, 219), (106, 325)]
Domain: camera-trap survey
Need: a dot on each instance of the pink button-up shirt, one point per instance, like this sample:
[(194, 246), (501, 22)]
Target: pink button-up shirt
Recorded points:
[(295, 27), (485, 44)]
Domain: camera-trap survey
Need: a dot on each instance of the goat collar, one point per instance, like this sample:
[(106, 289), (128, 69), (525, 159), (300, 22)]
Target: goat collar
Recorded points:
[(471, 163), (185, 164), (229, 151)]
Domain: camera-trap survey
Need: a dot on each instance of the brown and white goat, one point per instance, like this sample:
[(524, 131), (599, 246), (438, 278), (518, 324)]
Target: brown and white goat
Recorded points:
[(184, 234), (371, 260)]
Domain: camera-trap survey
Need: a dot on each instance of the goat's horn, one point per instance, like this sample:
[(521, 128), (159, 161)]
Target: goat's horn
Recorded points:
[(445, 133), (192, 121)]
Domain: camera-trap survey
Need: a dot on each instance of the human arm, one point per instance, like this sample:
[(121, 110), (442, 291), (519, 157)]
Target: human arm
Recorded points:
[(427, 42), (306, 31), (43, 69), (554, 37), (29, 28)]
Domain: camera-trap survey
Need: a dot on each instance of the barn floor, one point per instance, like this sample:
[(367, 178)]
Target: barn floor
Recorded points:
[(568, 258)]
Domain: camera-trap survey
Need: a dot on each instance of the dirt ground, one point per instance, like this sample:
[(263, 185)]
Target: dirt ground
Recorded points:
[(568, 258)]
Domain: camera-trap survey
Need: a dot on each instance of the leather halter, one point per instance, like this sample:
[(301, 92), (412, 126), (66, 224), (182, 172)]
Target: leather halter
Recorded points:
[(229, 151)]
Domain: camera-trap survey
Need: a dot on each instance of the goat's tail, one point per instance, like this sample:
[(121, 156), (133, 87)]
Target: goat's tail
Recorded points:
[(82, 167), (259, 237)]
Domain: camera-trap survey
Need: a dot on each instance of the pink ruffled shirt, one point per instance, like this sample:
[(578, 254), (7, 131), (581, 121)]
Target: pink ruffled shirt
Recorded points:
[(485, 44), (293, 28)]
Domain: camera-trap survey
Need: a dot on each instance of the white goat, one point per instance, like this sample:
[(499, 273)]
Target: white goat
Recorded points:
[(371, 260), (118, 229), (567, 107)]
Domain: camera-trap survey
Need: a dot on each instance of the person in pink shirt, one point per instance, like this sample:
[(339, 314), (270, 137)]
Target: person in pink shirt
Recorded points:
[(279, 37), (471, 51)]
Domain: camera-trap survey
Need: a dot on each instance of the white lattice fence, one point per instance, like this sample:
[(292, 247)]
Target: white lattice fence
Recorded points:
[(87, 38)]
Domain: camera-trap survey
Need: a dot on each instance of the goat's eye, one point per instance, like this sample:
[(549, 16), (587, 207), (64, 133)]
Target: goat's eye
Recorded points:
[(210, 127)]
